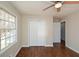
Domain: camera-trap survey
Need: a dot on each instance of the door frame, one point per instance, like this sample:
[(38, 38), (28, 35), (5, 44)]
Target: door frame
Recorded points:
[(63, 21)]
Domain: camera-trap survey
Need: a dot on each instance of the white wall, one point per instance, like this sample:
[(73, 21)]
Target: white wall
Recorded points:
[(49, 22), (12, 51), (72, 31), (56, 32)]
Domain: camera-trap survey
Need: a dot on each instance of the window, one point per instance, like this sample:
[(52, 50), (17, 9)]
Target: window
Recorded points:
[(7, 29)]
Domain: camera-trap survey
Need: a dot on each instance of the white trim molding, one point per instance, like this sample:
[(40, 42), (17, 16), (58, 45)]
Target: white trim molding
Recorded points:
[(49, 45), (72, 49), (25, 46), (17, 51)]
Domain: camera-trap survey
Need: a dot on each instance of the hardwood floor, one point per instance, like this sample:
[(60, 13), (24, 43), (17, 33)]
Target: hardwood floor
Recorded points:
[(59, 50)]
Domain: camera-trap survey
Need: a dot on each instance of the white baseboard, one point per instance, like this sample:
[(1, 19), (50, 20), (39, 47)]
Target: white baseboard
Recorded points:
[(17, 51), (45, 45), (25, 46), (72, 49), (55, 41), (49, 45)]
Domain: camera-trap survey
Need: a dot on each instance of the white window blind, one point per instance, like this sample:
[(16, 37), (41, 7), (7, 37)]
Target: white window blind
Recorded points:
[(7, 29)]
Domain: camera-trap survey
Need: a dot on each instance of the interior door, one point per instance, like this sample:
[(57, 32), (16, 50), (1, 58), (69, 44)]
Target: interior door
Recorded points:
[(37, 32)]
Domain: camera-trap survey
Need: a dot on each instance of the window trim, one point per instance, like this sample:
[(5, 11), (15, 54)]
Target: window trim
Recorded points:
[(9, 46)]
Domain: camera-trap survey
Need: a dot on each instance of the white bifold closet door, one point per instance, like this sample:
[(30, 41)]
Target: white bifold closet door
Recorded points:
[(37, 33)]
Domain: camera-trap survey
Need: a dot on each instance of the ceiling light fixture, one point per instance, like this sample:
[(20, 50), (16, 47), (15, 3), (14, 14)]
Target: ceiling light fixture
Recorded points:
[(58, 5)]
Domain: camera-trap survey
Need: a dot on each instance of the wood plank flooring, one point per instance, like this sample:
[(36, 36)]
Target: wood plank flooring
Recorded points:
[(59, 50)]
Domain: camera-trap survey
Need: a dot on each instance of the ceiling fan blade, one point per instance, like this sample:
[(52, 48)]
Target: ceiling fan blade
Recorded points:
[(48, 7), (58, 9)]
